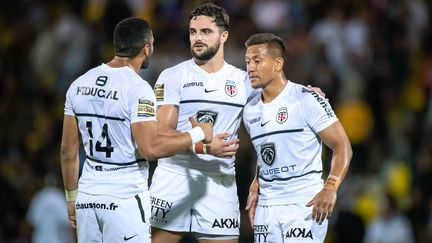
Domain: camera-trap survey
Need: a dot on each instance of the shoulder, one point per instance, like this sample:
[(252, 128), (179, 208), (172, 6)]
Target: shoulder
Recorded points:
[(236, 71), (178, 68)]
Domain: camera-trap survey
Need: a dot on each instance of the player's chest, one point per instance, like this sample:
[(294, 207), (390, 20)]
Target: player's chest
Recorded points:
[(272, 118), (221, 89)]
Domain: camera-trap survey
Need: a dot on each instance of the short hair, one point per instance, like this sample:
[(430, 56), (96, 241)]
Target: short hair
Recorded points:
[(130, 36), (219, 14), (274, 43)]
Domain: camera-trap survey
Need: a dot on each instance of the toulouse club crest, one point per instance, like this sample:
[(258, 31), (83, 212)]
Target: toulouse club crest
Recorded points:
[(282, 115), (230, 88), (268, 153)]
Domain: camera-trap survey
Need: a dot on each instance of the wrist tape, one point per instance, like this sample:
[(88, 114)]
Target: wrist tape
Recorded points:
[(199, 148), (332, 182), (71, 195), (197, 135)]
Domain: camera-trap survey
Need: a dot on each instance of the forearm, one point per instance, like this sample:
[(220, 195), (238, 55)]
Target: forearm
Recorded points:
[(339, 166), (254, 187), (70, 170), (340, 162)]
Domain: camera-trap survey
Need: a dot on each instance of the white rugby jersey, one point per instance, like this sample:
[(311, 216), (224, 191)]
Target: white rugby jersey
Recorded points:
[(217, 97), (106, 101), (284, 135)]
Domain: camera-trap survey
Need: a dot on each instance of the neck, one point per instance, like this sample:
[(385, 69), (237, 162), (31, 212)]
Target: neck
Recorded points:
[(273, 89), (118, 62), (214, 64)]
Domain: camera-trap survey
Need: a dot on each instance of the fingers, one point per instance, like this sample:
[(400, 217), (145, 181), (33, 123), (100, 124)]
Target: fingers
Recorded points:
[(72, 221), (322, 211), (315, 89), (310, 203), (223, 135), (193, 121)]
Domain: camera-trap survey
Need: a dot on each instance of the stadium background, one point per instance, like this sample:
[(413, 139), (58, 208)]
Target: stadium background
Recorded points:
[(373, 59)]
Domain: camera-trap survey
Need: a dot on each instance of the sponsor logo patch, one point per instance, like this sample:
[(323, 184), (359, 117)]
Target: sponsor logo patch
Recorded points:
[(160, 208), (299, 233), (226, 223), (324, 104), (268, 153), (145, 108), (260, 232), (159, 91), (206, 116)]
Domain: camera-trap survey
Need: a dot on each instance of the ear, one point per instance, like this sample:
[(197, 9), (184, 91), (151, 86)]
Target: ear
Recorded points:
[(224, 36), (279, 64), (146, 50)]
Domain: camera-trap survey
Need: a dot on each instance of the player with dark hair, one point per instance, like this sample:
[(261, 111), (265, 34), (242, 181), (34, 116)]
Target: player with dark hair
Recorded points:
[(203, 199), (288, 201), (111, 109)]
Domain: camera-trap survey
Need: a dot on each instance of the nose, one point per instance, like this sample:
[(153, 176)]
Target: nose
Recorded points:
[(250, 67)]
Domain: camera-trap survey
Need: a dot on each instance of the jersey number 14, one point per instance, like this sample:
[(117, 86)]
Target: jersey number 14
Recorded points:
[(108, 149)]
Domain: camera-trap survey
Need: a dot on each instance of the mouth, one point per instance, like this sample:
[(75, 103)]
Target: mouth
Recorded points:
[(198, 46), (253, 78)]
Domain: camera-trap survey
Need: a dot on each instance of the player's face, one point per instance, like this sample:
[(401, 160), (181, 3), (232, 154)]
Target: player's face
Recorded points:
[(146, 61), (204, 37), (260, 65)]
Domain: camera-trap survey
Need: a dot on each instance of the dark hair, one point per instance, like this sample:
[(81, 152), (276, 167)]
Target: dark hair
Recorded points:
[(274, 43), (130, 36), (211, 10)]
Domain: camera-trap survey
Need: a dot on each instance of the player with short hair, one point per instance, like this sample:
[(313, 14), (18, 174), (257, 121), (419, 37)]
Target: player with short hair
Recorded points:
[(111, 109), (203, 199), (287, 125)]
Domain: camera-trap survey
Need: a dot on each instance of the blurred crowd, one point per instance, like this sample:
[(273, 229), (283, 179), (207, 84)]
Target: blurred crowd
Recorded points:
[(372, 58)]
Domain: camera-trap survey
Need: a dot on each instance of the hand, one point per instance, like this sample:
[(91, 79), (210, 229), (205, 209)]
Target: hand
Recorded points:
[(221, 147), (316, 90), (71, 213), (207, 128), (323, 204), (251, 205)]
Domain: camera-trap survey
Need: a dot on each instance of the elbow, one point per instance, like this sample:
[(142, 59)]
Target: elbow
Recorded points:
[(149, 154)]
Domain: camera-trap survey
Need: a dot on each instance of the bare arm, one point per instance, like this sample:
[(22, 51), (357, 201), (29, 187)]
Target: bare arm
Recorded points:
[(252, 199), (336, 139), (70, 160), (219, 147), (167, 119)]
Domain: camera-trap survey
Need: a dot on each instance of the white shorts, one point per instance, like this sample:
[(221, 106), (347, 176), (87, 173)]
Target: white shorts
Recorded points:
[(112, 219), (287, 223), (200, 204)]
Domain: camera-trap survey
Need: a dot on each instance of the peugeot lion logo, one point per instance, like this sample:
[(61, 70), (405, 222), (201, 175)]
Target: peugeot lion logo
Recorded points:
[(268, 153)]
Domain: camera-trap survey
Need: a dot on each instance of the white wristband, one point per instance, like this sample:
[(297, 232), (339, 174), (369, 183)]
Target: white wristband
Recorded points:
[(197, 134)]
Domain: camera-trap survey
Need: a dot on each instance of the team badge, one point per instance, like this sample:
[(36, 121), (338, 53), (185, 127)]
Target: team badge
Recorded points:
[(145, 108), (282, 115), (268, 153), (159, 91), (230, 88), (206, 116)]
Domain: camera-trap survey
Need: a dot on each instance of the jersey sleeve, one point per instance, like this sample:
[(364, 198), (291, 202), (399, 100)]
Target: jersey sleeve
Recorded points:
[(142, 103), (68, 107), (168, 87), (317, 112)]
